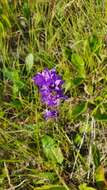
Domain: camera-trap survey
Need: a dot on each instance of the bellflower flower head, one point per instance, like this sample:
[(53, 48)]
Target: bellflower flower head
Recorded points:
[(50, 88)]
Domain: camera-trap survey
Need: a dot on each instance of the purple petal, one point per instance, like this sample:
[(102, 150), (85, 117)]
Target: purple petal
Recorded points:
[(39, 80), (50, 100), (46, 74), (50, 114)]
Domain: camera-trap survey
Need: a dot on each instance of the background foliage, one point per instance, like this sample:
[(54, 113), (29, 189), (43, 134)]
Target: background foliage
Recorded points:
[(70, 153)]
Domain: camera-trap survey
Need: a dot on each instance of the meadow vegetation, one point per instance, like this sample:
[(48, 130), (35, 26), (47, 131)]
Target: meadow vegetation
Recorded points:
[(70, 152)]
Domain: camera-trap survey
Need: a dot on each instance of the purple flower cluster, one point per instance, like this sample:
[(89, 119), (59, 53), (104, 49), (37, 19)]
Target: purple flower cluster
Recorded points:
[(50, 87)]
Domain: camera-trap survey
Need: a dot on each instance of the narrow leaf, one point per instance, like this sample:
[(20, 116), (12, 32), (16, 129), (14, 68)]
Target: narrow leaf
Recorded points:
[(78, 62), (96, 155), (29, 62), (50, 187)]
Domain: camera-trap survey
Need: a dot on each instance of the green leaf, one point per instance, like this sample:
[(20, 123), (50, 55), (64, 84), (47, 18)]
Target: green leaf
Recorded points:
[(100, 116), (51, 187), (16, 103), (6, 21), (68, 86), (84, 187), (26, 10), (95, 44), (14, 77), (1, 28), (78, 62), (79, 109), (68, 53), (100, 177), (77, 139), (20, 84), (52, 150), (96, 155), (11, 75), (15, 89), (17, 85), (29, 62), (77, 81)]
